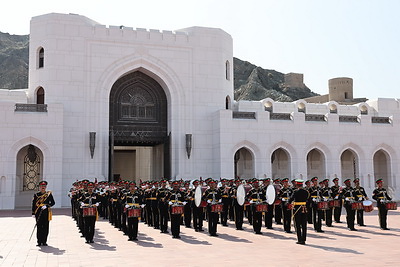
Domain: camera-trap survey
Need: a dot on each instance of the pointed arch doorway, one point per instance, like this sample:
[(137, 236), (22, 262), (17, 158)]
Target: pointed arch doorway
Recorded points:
[(139, 145)]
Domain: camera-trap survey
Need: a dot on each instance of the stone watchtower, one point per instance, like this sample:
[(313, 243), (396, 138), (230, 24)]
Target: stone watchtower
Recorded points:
[(341, 89)]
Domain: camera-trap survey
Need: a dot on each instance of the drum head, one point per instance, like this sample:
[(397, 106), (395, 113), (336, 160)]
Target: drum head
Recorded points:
[(197, 196), (241, 195), (367, 202), (270, 194)]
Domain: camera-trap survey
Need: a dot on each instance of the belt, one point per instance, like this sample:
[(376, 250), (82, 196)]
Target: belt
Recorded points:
[(359, 195), (299, 203), (151, 198), (314, 196), (256, 199), (224, 195), (381, 197)]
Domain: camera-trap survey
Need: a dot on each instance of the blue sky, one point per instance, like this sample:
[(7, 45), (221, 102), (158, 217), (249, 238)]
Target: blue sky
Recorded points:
[(322, 39)]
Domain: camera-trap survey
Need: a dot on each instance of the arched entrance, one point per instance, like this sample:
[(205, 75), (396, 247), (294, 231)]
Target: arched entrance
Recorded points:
[(382, 166), (28, 174), (244, 164), (315, 164), (280, 164), (349, 164), (139, 141)]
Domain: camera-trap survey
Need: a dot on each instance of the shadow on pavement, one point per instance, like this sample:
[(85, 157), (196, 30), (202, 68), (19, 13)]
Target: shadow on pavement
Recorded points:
[(233, 238), (334, 249), (192, 240), (53, 250), (148, 244)]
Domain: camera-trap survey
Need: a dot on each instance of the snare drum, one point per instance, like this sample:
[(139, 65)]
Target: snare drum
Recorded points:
[(217, 207), (261, 207), (357, 205), (334, 203), (323, 205), (391, 205), (134, 213), (277, 202), (89, 211), (177, 209), (367, 204)]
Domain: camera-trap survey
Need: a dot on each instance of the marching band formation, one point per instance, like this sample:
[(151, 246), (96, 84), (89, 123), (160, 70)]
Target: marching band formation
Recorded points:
[(190, 203)]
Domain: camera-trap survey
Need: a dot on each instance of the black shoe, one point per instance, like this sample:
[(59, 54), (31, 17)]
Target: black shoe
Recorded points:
[(240, 229), (361, 225), (82, 236), (353, 229), (270, 228), (385, 228), (259, 233), (196, 230), (289, 232), (201, 230), (39, 244), (279, 223), (188, 226), (213, 235), (224, 224), (91, 241), (301, 242), (320, 231), (44, 244), (176, 236), (87, 242)]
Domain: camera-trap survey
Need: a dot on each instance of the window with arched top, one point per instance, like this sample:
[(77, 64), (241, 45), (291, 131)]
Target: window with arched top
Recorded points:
[(40, 96), (227, 70), (41, 58)]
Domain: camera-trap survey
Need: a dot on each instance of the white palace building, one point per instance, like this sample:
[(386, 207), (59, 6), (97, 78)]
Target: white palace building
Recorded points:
[(117, 102)]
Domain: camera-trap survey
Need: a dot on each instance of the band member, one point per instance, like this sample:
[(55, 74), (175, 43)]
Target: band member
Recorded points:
[(381, 196), (309, 203), (212, 196), (238, 210), (148, 208), (284, 194), (315, 197), (349, 195), (189, 197), (133, 200), (361, 195), (224, 191), (41, 209), (162, 194), (336, 191), (175, 198), (198, 213), (277, 208), (327, 196), (256, 196), (270, 213), (89, 200), (299, 200)]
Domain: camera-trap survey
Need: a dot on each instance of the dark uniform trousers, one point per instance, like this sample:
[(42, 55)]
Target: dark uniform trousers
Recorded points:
[(198, 217), (337, 211), (238, 216), (278, 214), (163, 209), (350, 215), (132, 229), (300, 222), (212, 221), (257, 219), (42, 220), (360, 217), (175, 224), (268, 216), (187, 213), (382, 212), (317, 217), (224, 213), (89, 223), (287, 217)]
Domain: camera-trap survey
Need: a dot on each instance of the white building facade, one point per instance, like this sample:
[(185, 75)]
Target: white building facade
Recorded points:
[(122, 103)]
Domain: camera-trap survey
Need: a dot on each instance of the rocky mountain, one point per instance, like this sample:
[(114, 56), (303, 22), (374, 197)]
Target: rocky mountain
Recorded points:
[(250, 81), (255, 83), (14, 58)]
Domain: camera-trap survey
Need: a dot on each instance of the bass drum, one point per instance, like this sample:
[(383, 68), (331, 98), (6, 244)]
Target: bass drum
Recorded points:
[(270, 194), (198, 194), (241, 193)]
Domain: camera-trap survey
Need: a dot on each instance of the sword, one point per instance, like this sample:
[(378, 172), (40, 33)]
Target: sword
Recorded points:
[(40, 214)]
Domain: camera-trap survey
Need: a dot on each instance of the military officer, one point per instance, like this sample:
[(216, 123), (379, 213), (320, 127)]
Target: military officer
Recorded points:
[(284, 194), (336, 191), (256, 195), (315, 197), (299, 200), (133, 200), (175, 198), (381, 196), (41, 210)]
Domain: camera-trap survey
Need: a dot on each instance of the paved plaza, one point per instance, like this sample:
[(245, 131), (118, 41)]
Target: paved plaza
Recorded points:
[(369, 246)]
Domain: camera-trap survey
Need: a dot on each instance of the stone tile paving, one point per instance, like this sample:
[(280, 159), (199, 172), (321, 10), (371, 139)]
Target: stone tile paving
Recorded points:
[(370, 246)]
